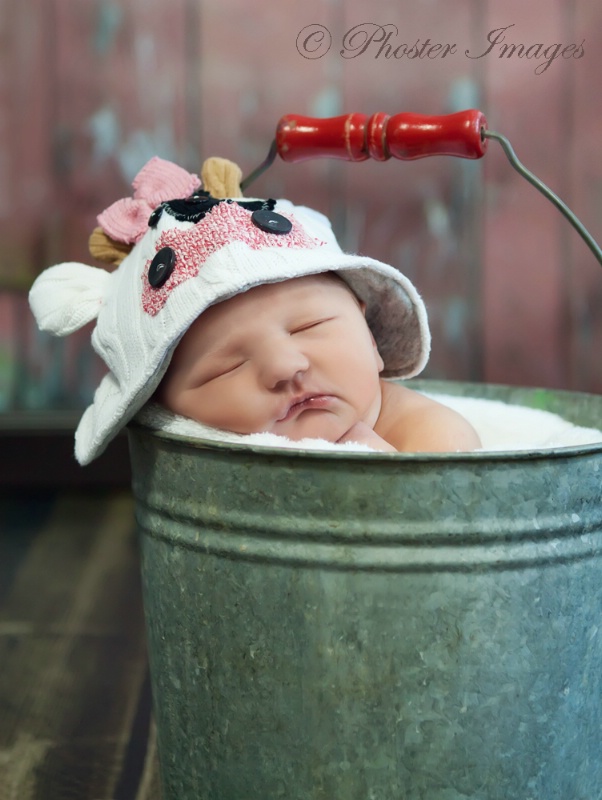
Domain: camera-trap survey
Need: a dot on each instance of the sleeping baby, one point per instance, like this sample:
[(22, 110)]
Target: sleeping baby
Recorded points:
[(296, 358), (246, 316)]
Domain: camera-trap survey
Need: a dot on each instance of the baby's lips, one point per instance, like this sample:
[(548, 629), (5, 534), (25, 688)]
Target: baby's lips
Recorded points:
[(307, 402)]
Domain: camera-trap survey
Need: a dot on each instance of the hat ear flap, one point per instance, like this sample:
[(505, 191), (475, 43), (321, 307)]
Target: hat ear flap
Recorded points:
[(66, 297)]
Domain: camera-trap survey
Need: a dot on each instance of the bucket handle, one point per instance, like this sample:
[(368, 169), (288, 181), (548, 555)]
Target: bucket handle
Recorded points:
[(406, 136)]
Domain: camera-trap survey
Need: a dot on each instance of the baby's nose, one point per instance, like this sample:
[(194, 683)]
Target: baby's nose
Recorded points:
[(283, 364)]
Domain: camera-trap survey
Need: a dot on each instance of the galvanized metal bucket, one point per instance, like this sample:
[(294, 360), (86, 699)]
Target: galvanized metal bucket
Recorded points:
[(375, 627)]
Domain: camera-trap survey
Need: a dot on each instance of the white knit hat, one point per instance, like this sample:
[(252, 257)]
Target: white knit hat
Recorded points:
[(192, 251)]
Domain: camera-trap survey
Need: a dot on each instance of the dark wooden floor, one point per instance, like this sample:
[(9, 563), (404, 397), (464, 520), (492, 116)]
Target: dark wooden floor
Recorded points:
[(75, 708)]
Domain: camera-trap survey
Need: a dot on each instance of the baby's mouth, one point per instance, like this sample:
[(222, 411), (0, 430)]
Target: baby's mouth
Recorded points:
[(305, 403)]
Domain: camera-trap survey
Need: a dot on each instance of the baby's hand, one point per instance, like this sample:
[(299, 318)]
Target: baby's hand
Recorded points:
[(363, 434)]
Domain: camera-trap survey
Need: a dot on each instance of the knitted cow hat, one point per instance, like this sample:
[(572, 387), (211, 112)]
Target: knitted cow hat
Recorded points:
[(187, 251)]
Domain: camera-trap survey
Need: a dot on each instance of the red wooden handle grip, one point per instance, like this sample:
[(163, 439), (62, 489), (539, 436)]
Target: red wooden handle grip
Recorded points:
[(356, 137)]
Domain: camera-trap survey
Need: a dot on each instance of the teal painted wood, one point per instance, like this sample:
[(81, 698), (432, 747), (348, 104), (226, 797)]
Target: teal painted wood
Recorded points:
[(89, 91), (372, 626)]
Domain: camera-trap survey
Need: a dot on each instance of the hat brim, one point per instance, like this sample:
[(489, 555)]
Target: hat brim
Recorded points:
[(395, 314)]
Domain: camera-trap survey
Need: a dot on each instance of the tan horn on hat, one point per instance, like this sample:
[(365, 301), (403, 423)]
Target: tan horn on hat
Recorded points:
[(106, 249), (221, 178)]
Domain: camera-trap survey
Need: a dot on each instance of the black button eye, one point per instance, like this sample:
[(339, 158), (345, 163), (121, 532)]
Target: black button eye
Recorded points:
[(161, 267), (271, 222), (155, 217)]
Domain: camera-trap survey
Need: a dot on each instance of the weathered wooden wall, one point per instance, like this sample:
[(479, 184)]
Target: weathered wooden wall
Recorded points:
[(90, 90)]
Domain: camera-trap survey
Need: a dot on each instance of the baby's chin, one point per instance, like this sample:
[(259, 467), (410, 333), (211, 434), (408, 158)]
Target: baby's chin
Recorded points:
[(313, 424)]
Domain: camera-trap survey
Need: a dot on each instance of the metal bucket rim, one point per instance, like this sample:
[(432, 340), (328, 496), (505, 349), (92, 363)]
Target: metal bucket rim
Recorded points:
[(198, 443), (455, 388)]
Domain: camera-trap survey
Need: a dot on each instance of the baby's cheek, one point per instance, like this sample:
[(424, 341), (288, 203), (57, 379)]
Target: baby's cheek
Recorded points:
[(237, 408)]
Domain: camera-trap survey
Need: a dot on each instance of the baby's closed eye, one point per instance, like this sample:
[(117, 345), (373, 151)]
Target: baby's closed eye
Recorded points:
[(309, 325), (223, 370)]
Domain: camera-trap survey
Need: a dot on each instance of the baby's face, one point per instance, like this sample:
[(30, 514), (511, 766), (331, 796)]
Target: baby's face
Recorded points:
[(294, 358)]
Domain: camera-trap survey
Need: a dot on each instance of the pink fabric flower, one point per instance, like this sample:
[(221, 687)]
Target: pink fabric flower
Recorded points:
[(159, 180)]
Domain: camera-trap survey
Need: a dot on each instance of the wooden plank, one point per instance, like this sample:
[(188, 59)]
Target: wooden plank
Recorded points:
[(73, 653), (150, 788), (102, 122), (8, 345), (26, 113), (125, 105), (422, 216), (86, 105), (582, 152), (21, 516), (251, 75), (525, 275)]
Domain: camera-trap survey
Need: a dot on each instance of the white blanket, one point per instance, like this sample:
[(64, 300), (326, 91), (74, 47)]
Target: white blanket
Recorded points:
[(500, 427)]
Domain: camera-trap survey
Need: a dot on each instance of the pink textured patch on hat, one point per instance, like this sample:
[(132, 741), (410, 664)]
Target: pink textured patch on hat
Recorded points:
[(225, 223)]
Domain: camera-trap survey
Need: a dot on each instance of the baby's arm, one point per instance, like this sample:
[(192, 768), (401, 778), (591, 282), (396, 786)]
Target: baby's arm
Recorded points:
[(413, 423), (437, 430)]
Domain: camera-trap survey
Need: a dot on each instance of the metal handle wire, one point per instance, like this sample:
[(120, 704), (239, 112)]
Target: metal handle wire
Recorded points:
[(547, 192), (514, 161)]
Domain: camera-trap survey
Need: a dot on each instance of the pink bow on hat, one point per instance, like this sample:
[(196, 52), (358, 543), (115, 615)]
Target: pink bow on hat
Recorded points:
[(158, 180)]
